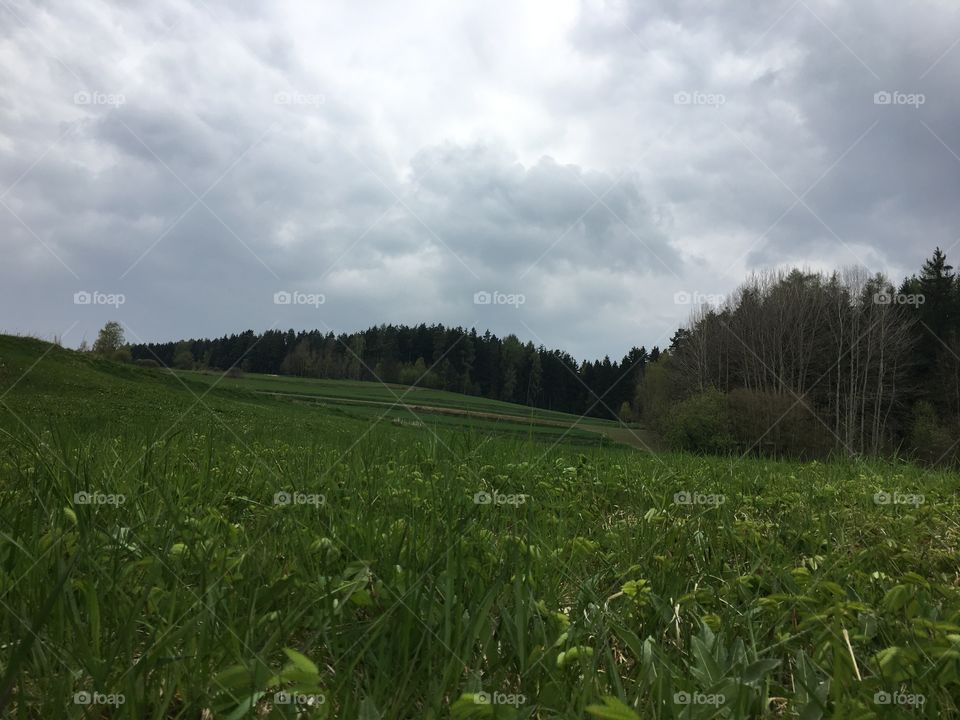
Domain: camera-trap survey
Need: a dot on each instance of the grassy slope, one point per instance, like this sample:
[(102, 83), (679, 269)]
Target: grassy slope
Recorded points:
[(348, 390), (80, 388), (408, 595)]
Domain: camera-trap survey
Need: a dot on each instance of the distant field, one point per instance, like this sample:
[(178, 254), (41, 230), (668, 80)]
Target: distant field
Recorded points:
[(224, 552), (373, 401), (349, 390)]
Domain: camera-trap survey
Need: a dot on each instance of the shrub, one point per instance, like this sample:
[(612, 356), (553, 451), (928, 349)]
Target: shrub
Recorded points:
[(930, 441), (768, 423), (701, 424)]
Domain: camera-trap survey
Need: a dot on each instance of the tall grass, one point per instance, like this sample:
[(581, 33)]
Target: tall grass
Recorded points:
[(406, 598), (164, 557)]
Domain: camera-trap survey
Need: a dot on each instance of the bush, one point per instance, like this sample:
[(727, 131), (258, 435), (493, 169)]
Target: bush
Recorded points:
[(701, 424), (767, 423), (147, 363), (931, 442), (183, 359)]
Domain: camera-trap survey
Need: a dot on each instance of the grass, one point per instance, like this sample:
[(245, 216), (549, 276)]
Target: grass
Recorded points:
[(375, 392), (384, 590)]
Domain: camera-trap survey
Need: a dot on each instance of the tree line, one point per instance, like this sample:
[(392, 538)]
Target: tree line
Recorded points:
[(811, 364), (795, 363), (431, 356)]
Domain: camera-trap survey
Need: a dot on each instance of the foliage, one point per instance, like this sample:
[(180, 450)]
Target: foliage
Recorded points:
[(701, 424), (434, 357), (819, 364), (931, 441), (109, 339), (399, 596)]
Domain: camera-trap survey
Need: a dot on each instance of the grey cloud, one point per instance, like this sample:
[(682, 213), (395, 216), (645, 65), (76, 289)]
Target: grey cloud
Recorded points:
[(412, 184)]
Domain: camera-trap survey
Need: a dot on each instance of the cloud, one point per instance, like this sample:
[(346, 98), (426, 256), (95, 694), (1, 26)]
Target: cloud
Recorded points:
[(597, 157)]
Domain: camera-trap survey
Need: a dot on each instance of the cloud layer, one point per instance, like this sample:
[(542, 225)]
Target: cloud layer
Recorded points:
[(597, 158)]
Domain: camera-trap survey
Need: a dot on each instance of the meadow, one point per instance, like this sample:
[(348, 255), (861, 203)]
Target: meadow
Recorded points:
[(186, 546)]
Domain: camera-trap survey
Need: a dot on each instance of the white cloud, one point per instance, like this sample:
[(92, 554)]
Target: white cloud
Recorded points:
[(420, 152)]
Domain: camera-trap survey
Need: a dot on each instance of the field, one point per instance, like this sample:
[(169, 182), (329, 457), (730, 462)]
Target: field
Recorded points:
[(178, 547)]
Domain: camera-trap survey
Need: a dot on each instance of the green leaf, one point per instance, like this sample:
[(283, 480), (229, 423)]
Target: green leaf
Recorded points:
[(706, 668), (368, 710), (93, 613), (896, 597), (755, 672), (245, 707), (361, 598), (470, 706), (578, 651), (612, 709), (301, 662)]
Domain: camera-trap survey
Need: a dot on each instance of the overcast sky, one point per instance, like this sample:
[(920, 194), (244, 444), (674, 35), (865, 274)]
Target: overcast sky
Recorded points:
[(595, 159)]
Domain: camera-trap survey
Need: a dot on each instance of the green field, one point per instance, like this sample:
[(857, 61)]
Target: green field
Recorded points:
[(355, 391), (178, 547)]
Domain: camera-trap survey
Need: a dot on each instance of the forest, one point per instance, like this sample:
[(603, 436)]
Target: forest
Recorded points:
[(793, 363)]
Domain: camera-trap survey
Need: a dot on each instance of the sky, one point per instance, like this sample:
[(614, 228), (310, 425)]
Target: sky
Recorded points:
[(580, 174)]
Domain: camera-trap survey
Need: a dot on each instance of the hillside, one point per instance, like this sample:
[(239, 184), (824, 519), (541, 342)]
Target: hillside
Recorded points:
[(47, 382), (174, 549)]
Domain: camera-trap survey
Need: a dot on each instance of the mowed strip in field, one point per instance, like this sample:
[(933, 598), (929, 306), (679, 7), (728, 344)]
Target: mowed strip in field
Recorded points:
[(412, 404)]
